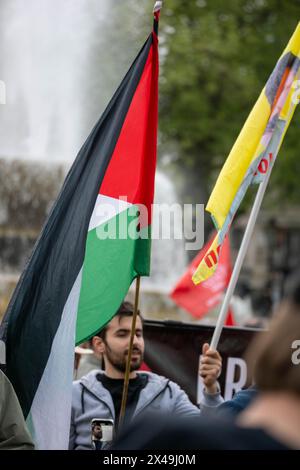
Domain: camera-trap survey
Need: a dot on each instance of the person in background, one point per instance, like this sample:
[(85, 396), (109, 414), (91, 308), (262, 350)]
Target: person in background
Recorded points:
[(262, 310), (99, 393), (97, 436), (14, 434)]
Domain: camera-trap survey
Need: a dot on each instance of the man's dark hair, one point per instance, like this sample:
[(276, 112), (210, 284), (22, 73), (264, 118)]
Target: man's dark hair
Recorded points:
[(126, 309)]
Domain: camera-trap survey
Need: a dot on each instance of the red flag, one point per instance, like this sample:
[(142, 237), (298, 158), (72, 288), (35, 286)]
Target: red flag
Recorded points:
[(200, 299)]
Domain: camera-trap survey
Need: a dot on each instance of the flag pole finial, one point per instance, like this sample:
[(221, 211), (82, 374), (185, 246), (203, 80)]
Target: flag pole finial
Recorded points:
[(157, 7), (156, 11)]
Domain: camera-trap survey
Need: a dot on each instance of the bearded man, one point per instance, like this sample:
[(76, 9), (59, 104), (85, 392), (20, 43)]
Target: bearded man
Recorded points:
[(99, 393)]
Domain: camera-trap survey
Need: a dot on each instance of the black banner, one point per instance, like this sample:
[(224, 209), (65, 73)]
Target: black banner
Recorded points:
[(173, 350), (143, 458)]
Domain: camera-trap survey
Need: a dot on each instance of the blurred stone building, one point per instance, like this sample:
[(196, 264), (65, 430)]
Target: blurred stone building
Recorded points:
[(27, 191)]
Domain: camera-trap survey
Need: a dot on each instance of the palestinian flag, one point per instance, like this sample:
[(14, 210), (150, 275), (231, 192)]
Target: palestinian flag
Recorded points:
[(94, 243)]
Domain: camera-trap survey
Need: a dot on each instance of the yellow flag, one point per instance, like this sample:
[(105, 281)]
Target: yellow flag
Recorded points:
[(257, 144)]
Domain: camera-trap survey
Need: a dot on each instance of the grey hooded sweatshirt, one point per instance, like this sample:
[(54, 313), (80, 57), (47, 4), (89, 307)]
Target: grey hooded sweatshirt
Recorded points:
[(91, 399)]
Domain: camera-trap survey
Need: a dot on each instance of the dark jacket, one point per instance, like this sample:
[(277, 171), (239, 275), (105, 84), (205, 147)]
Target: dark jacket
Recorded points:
[(14, 434), (156, 432), (239, 402)]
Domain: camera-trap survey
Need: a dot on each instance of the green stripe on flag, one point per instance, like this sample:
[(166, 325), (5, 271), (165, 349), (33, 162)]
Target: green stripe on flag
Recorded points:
[(110, 265)]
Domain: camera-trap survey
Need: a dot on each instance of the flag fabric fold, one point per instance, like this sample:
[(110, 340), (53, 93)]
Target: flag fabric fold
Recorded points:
[(94, 243), (256, 146)]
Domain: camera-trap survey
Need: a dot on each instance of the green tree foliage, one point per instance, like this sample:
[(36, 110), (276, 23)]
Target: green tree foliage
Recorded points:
[(216, 58)]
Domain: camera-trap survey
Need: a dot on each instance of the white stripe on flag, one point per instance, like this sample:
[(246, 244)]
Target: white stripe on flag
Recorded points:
[(106, 208), (50, 414)]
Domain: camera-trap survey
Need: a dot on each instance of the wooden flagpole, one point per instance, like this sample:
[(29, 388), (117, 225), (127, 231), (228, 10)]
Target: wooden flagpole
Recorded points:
[(156, 11), (128, 363)]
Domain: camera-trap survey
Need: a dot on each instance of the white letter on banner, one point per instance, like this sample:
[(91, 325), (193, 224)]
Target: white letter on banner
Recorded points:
[(2, 92), (296, 354), (2, 352), (230, 385), (200, 384)]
